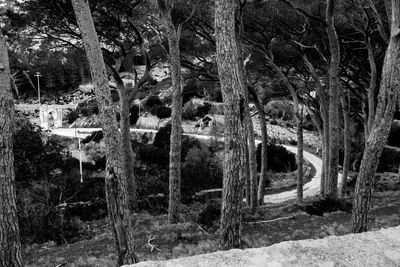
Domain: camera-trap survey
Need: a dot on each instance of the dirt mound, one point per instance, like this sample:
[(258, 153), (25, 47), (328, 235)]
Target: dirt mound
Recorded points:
[(380, 248)]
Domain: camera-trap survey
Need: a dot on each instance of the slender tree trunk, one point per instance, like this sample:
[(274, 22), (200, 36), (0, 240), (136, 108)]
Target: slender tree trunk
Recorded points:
[(264, 138), (347, 143), (324, 108), (387, 100), (10, 245), (373, 84), (126, 144), (246, 167), (299, 156), (173, 36), (115, 180), (298, 118), (252, 165), (232, 86), (334, 93)]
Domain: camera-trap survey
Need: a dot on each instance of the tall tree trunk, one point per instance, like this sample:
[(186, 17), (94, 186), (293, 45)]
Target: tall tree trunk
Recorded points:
[(10, 245), (347, 143), (298, 118), (232, 86), (173, 36), (126, 145), (252, 164), (324, 108), (373, 84), (299, 156), (334, 93), (263, 182), (115, 180), (246, 167), (387, 98)]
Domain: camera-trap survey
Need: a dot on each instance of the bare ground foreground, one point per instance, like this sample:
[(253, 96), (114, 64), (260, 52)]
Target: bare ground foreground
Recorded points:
[(379, 248)]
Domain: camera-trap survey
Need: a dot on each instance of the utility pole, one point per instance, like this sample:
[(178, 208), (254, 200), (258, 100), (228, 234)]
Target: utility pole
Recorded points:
[(38, 75)]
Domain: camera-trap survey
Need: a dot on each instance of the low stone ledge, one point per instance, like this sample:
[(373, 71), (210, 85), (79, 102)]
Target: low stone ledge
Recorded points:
[(378, 248)]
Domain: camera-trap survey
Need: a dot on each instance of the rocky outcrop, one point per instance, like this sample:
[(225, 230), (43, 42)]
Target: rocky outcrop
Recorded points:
[(380, 248)]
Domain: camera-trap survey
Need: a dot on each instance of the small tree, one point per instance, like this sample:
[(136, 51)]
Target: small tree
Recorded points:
[(387, 100), (174, 35), (116, 177)]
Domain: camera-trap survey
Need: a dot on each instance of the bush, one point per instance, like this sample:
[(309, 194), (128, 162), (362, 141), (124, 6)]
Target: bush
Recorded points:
[(201, 170), (87, 107), (159, 152), (279, 109), (133, 115), (153, 101), (162, 138), (389, 161), (394, 139), (210, 213), (95, 136), (39, 219), (161, 112), (192, 110), (46, 176), (71, 116), (326, 205), (278, 159)]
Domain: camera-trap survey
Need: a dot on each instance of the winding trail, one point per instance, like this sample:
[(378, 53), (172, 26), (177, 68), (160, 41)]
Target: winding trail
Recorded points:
[(310, 189)]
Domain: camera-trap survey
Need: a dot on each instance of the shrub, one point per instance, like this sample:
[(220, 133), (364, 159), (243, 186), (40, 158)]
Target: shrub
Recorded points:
[(278, 159), (159, 152), (279, 109), (162, 138), (200, 171), (389, 161), (153, 101), (46, 176), (87, 107), (163, 112), (189, 111), (192, 110), (210, 213), (133, 115), (95, 136), (393, 139), (326, 205), (71, 116), (39, 219)]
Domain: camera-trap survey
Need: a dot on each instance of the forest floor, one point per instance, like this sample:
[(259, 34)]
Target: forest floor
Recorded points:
[(273, 223)]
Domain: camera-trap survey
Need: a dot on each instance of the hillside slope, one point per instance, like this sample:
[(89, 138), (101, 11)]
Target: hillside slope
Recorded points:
[(379, 248)]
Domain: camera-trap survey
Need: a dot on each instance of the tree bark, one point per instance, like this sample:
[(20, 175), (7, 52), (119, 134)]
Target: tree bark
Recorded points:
[(347, 143), (115, 180), (324, 108), (232, 86), (263, 182), (252, 165), (126, 145), (331, 186), (173, 36), (299, 156), (373, 84), (10, 245), (298, 118), (387, 99)]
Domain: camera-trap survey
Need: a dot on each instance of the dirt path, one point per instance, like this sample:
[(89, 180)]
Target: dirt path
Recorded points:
[(310, 189)]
